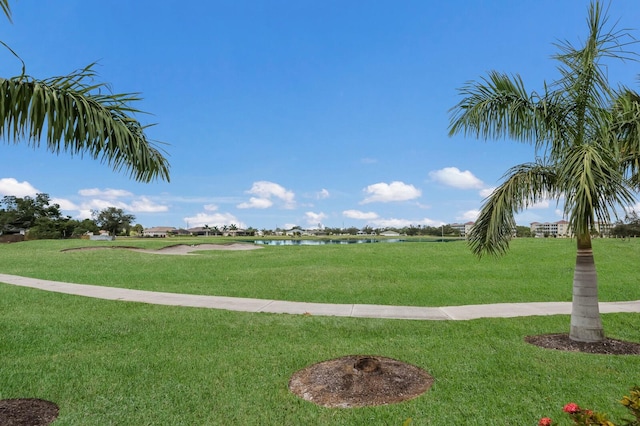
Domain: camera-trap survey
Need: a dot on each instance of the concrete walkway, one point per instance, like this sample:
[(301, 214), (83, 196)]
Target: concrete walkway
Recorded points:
[(496, 310)]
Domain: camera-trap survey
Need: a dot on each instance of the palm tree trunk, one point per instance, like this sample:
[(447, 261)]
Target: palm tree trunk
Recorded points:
[(585, 313)]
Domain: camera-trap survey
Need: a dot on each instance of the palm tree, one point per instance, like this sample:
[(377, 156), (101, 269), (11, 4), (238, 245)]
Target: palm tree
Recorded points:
[(587, 141), (74, 114)]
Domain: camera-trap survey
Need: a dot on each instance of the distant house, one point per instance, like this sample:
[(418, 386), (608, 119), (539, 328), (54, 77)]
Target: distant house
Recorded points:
[(389, 234), (210, 231), (296, 231), (200, 230), (158, 231), (236, 233)]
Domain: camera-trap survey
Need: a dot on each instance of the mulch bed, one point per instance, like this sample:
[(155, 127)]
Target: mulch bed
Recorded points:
[(562, 342), (27, 412), (358, 381)]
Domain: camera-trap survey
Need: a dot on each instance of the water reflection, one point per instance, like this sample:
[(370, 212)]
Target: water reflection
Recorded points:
[(324, 242)]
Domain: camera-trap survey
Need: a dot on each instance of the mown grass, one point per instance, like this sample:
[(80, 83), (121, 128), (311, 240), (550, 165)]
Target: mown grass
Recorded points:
[(422, 274), (118, 363)]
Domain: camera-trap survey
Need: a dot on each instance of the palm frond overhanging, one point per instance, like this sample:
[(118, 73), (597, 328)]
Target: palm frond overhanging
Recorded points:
[(72, 114)]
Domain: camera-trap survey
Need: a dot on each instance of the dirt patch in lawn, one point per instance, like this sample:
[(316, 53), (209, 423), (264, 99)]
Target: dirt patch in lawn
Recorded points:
[(27, 412), (358, 381), (562, 342)]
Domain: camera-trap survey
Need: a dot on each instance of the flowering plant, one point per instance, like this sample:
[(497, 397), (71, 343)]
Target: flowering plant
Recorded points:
[(581, 416)]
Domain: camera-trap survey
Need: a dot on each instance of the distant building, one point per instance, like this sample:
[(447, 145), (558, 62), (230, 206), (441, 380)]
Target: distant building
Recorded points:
[(604, 229), (201, 230), (462, 228), (562, 229), (551, 229)]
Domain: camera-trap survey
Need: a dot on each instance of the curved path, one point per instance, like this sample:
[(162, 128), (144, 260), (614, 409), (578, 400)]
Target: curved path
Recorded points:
[(496, 310)]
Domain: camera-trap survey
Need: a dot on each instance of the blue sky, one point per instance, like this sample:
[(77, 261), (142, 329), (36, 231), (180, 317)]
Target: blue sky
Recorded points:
[(281, 113)]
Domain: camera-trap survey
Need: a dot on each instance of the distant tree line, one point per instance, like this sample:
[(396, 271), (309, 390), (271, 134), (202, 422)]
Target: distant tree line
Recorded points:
[(37, 218), (629, 228)]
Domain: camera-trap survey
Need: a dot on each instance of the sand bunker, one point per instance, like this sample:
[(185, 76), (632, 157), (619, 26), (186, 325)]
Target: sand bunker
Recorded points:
[(179, 249)]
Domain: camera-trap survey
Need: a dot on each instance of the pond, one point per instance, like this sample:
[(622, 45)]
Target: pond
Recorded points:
[(303, 242)]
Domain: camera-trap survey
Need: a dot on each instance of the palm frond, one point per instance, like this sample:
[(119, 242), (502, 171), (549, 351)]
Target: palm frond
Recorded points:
[(4, 5), (584, 81), (593, 185), (77, 117), (524, 185), (498, 106), (494, 108), (626, 130)]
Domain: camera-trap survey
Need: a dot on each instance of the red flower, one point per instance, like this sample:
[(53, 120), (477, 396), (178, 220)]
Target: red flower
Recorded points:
[(571, 408), (545, 421)]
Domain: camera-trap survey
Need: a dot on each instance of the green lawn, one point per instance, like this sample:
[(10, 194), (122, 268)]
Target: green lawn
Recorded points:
[(421, 274), (117, 363)]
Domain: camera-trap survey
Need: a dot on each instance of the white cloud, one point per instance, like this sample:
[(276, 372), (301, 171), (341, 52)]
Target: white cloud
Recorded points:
[(256, 203), (211, 207), (322, 194), (357, 214), (104, 193), (215, 219), (83, 214), (486, 192), (469, 216), (526, 217), (543, 204), (387, 192), (401, 223), (264, 192), (629, 210), (11, 187), (452, 176), (64, 204), (144, 205), (289, 225), (314, 218)]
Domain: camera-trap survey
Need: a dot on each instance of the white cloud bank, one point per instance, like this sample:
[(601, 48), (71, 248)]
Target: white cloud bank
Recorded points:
[(455, 178), (469, 216), (10, 186), (265, 192), (357, 214), (105, 193), (213, 219), (401, 223), (313, 218), (486, 192), (256, 203), (389, 192)]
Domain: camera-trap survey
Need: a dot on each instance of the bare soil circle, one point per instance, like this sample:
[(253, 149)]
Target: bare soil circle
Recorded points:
[(27, 412), (359, 381), (562, 342)]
